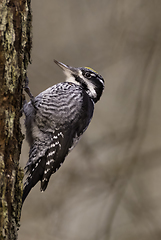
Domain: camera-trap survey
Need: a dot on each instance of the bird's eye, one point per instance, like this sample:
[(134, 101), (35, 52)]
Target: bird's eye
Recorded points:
[(87, 74)]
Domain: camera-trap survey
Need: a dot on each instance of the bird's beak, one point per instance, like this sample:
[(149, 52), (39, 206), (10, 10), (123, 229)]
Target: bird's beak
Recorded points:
[(67, 69)]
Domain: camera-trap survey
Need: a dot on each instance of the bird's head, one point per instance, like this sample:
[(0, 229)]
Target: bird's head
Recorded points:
[(87, 78)]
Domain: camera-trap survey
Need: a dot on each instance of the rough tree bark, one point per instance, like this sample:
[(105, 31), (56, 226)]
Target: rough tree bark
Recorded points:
[(15, 46)]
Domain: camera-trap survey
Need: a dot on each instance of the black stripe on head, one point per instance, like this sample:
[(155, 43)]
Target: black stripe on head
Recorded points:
[(94, 83)]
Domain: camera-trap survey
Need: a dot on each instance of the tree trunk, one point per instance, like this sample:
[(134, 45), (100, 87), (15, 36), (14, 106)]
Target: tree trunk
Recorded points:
[(15, 47)]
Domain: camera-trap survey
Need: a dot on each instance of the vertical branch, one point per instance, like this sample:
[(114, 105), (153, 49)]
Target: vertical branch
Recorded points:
[(140, 125), (15, 46)]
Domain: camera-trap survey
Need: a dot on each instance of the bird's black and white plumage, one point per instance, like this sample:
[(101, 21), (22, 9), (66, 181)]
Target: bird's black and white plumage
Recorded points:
[(56, 119)]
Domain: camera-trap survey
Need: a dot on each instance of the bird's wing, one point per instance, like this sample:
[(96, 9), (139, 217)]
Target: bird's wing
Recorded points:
[(64, 140)]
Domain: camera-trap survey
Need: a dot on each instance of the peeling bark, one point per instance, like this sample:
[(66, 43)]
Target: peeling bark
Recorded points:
[(15, 47)]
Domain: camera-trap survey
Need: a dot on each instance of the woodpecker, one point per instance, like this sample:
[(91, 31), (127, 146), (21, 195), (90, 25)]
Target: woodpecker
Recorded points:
[(56, 119)]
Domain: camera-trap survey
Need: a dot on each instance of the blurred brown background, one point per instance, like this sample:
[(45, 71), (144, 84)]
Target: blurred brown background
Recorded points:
[(109, 187)]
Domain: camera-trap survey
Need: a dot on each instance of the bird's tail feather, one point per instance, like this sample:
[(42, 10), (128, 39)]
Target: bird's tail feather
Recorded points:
[(34, 177)]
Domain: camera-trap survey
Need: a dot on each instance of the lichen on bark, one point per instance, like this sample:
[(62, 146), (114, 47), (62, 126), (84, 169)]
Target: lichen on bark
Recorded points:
[(15, 47)]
